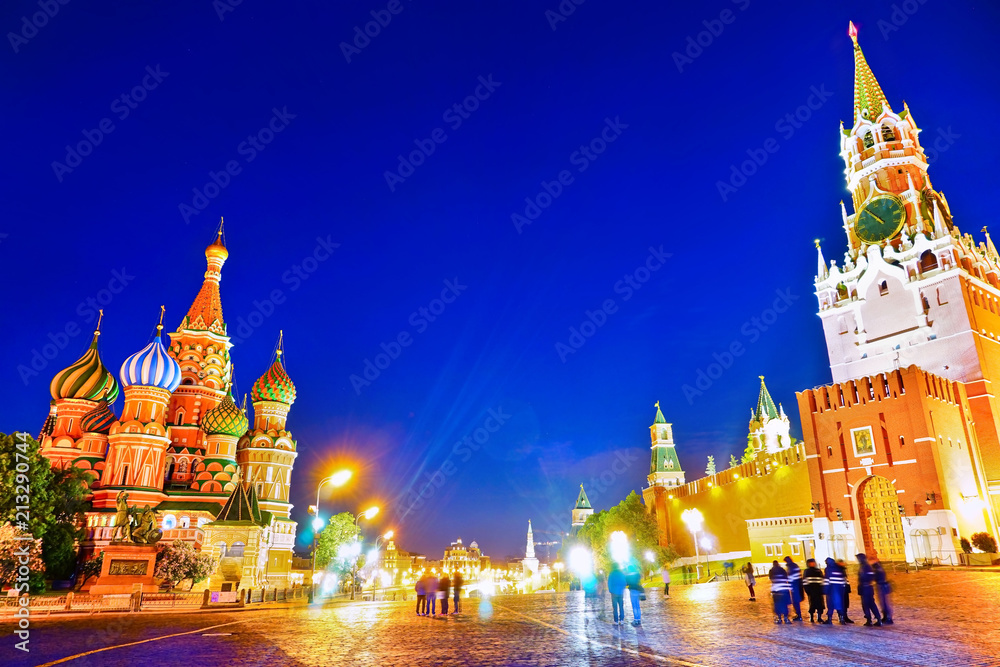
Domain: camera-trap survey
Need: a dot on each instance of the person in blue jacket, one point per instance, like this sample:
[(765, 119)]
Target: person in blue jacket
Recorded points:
[(633, 581), (795, 580), (616, 587), (866, 589)]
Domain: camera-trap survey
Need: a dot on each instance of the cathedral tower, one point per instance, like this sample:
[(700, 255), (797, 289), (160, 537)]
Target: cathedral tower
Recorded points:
[(201, 347), (664, 466), (769, 425), (582, 510), (137, 442)]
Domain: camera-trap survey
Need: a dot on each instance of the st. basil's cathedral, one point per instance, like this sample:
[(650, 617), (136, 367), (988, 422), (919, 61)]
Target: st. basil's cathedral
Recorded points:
[(182, 445)]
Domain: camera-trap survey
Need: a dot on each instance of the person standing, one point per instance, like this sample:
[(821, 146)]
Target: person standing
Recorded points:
[(780, 590), (836, 586), (866, 590), (750, 580), (636, 593), (795, 583), (847, 592), (456, 584), (432, 592), (421, 589), (616, 586), (665, 571), (812, 582), (444, 588), (883, 589)]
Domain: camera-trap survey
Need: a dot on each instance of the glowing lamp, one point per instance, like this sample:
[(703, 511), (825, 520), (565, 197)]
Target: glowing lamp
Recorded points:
[(340, 477), (619, 547), (693, 519), (370, 512), (650, 557), (317, 524), (389, 535)]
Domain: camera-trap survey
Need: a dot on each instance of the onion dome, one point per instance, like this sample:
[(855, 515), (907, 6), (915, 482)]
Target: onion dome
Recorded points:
[(152, 366), (86, 378), (98, 420), (225, 419), (274, 385), (217, 249)]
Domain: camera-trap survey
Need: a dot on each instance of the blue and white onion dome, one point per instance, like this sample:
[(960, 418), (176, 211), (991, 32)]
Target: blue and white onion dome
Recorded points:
[(152, 366)]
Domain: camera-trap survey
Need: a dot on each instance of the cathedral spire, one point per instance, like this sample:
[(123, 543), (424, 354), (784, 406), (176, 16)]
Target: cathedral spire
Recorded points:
[(765, 405), (868, 96), (821, 270), (205, 313)]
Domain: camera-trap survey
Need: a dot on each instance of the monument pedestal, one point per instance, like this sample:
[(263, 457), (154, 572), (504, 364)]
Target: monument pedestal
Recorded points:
[(124, 566)]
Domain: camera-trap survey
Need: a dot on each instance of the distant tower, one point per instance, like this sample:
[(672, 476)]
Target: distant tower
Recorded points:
[(137, 442), (529, 565), (582, 509), (664, 467), (768, 424)]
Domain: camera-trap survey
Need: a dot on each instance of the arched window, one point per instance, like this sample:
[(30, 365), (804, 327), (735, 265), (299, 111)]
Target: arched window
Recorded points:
[(235, 551), (179, 416), (183, 467), (869, 140), (883, 288), (202, 521), (888, 134), (222, 549), (169, 522), (928, 261), (185, 521)]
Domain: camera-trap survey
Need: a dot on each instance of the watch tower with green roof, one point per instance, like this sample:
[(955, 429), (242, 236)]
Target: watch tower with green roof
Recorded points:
[(582, 510), (769, 425), (664, 466)]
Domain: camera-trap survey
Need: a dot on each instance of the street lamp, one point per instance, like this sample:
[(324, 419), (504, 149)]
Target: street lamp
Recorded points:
[(558, 568), (367, 514), (338, 478), (693, 519)]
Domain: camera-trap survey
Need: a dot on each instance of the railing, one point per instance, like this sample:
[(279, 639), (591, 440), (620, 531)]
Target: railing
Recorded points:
[(171, 600)]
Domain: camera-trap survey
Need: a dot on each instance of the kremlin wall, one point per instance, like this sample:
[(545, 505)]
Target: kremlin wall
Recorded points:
[(900, 456)]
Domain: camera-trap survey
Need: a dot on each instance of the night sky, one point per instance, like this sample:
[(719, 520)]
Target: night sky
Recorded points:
[(501, 355)]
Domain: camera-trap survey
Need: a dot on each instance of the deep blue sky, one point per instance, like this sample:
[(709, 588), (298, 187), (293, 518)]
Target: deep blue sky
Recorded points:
[(494, 347)]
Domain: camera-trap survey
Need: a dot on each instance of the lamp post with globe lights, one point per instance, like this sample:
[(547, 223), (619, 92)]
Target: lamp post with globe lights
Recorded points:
[(693, 519), (337, 479)]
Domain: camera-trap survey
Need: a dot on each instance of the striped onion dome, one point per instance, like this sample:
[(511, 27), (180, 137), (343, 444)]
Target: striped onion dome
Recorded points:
[(98, 420), (225, 419), (85, 378), (152, 366), (274, 385)]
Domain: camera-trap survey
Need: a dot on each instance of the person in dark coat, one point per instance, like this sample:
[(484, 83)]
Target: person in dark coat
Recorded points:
[(882, 589), (444, 589), (835, 578), (847, 592), (795, 582), (616, 586), (750, 581), (636, 592), (812, 583), (780, 592), (456, 585), (866, 589)]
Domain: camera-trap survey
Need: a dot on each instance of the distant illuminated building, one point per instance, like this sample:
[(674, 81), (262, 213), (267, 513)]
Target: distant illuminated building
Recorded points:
[(582, 510), (529, 564)]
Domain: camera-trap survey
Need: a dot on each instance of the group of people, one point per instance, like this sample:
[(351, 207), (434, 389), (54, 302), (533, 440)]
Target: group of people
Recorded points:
[(618, 582), (430, 590), (826, 590)]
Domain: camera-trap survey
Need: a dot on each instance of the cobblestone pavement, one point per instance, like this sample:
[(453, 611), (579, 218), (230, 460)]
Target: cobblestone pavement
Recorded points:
[(942, 618)]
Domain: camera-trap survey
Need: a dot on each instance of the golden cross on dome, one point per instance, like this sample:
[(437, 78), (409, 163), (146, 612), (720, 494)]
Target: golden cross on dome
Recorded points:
[(657, 404), (100, 316), (281, 336), (159, 327)]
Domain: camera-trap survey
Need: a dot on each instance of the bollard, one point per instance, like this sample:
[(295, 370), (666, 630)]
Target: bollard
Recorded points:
[(206, 599)]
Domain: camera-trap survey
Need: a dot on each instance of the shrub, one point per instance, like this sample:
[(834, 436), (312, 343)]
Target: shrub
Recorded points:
[(966, 546), (984, 542)]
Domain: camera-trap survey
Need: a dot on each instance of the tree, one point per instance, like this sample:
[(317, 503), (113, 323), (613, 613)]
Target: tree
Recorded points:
[(732, 461), (179, 561), (340, 530), (629, 516), (12, 551), (710, 469), (749, 454), (984, 542), (54, 496)]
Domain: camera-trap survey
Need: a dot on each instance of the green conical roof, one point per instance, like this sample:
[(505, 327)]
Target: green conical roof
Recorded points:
[(664, 459), (659, 415), (868, 95), (242, 507), (765, 406), (582, 502)]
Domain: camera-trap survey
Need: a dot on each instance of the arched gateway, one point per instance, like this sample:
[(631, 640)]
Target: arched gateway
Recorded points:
[(881, 523)]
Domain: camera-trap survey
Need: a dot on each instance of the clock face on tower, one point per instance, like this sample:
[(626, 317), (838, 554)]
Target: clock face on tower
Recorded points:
[(880, 219)]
